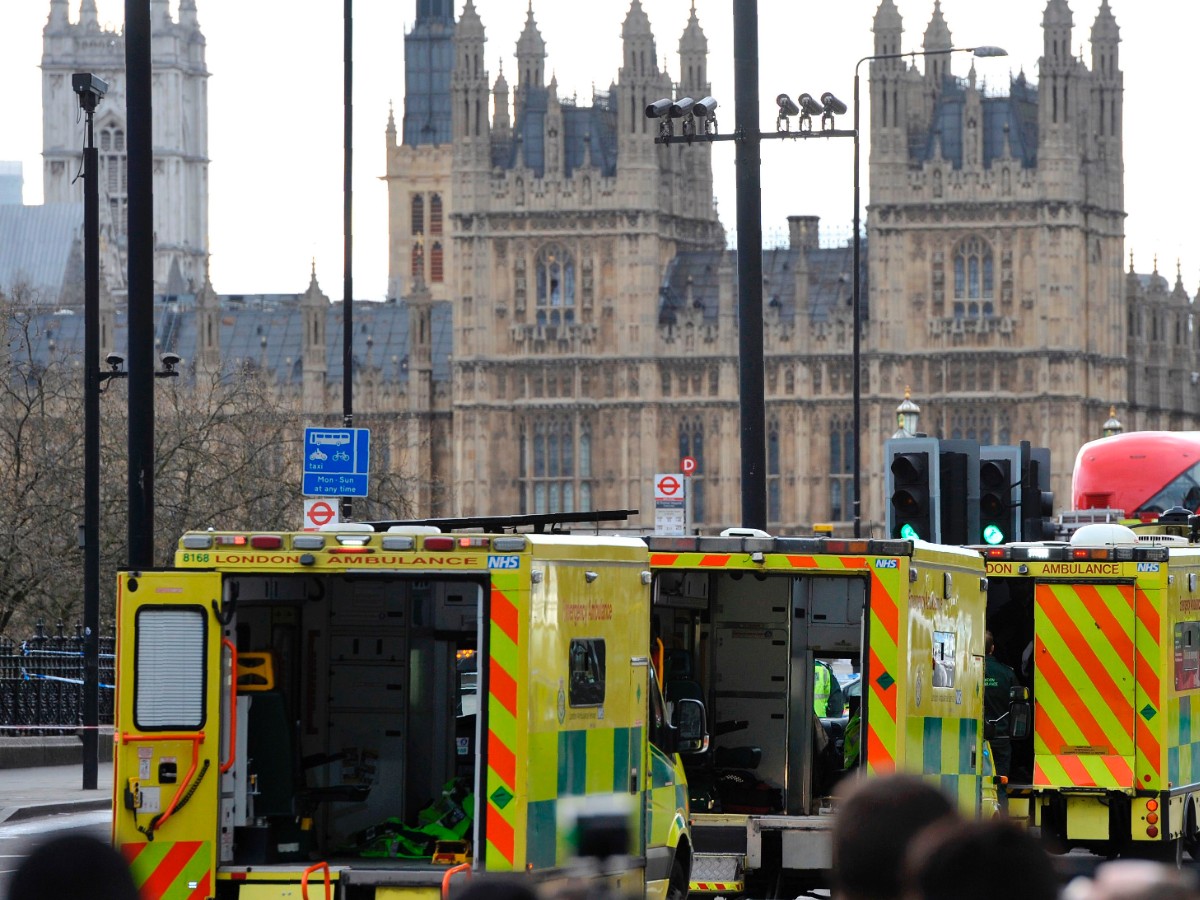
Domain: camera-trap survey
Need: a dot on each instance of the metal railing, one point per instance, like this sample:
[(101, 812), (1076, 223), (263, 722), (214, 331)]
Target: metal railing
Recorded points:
[(41, 682)]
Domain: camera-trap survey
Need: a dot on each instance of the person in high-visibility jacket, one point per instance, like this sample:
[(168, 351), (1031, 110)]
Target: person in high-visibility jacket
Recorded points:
[(828, 699)]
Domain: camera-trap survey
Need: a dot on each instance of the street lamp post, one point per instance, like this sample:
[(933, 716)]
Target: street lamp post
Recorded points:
[(856, 352), (90, 91)]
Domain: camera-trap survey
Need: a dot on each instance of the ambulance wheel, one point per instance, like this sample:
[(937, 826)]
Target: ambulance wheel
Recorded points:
[(1191, 835), (677, 887)]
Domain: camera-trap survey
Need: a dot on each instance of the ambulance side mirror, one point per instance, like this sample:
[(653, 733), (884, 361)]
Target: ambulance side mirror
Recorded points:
[(1020, 713), (690, 721)]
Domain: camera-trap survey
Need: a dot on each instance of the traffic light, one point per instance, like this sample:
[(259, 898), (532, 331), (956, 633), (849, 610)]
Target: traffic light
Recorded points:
[(913, 478), (958, 486), (999, 494), (1037, 500)]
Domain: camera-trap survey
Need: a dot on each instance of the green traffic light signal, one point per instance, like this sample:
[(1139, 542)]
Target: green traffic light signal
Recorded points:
[(908, 533), (992, 534)]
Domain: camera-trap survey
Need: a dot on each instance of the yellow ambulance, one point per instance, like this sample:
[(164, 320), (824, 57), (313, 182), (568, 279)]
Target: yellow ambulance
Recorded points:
[(361, 713), (1105, 631), (745, 618)]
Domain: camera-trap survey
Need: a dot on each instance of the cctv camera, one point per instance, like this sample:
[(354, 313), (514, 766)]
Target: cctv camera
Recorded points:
[(115, 361), (170, 360), (658, 109), (705, 109), (787, 106), (682, 107), (809, 105), (90, 89), (832, 104)]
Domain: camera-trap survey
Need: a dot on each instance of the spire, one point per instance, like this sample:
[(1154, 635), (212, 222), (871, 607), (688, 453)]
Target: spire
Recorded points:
[(887, 16), (531, 55), (88, 18), (391, 123), (888, 28), (501, 122), (187, 15), (937, 33), (58, 18), (469, 23), (637, 23), (693, 38)]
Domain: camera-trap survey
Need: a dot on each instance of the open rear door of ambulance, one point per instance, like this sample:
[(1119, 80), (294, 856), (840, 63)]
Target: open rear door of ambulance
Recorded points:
[(168, 737)]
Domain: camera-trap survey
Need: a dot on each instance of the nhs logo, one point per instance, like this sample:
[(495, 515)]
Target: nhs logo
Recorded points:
[(887, 563), (504, 562), (1147, 567)]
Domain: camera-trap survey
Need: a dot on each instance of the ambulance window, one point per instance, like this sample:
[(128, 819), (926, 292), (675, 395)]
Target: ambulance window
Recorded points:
[(169, 667), (943, 658), (586, 667), (1187, 656)]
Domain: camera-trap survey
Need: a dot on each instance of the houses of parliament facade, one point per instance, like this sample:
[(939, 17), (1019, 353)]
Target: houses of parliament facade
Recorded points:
[(562, 321)]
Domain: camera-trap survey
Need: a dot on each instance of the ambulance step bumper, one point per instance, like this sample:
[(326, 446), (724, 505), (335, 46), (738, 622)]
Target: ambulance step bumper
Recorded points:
[(717, 873)]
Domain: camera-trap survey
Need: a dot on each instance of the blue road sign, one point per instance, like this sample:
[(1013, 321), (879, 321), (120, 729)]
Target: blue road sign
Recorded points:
[(337, 462)]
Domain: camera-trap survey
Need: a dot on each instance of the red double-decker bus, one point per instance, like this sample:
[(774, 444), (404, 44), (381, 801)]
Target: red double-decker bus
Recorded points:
[(1141, 473)]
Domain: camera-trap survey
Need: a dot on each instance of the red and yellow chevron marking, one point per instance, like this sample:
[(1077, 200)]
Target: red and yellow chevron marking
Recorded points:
[(884, 660), (504, 641), (171, 870), (1084, 686), (1149, 706), (725, 560), (717, 887)]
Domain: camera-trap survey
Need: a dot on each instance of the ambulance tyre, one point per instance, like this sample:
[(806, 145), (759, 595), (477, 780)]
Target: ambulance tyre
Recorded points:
[(677, 887), (1191, 835)]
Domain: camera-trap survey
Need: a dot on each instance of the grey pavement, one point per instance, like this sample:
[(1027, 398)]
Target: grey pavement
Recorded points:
[(49, 780)]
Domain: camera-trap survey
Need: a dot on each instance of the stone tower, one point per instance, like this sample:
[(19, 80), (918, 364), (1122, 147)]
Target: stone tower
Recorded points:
[(558, 218), (995, 241), (180, 105)]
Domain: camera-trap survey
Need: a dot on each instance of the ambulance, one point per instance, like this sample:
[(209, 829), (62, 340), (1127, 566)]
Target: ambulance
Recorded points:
[(743, 619), (1105, 631), (374, 712)]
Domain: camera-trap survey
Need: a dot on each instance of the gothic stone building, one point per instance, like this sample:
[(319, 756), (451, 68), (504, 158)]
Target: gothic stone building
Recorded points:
[(594, 306), (180, 102), (563, 315)]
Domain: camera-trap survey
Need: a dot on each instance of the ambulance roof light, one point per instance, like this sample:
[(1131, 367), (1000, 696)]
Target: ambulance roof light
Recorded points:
[(1099, 534), (745, 533), (414, 529)]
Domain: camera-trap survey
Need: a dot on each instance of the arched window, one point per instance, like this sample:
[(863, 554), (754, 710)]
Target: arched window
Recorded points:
[(435, 214), (691, 443), (418, 214), (841, 470), (774, 486), (973, 279), (435, 263), (114, 166), (556, 465), (555, 285)]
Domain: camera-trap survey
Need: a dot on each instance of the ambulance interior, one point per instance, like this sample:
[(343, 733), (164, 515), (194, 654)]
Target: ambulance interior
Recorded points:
[(356, 712), (1010, 618), (746, 643)]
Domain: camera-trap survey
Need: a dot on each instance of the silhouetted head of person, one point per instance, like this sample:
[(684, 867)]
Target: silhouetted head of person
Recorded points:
[(1135, 879), (983, 860), (73, 865), (872, 829)]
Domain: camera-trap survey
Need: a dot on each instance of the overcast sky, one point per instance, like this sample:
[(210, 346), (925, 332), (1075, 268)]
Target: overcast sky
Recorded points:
[(275, 111)]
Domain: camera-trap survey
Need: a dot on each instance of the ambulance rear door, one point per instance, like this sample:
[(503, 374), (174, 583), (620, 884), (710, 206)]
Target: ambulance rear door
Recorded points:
[(1084, 685), (169, 744)]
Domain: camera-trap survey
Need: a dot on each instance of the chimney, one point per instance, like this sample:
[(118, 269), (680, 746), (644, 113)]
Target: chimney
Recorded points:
[(802, 232)]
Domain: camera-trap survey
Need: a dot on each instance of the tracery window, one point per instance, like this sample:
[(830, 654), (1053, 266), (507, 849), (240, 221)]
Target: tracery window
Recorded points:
[(555, 276), (841, 471), (556, 465), (114, 168), (691, 443), (973, 279)]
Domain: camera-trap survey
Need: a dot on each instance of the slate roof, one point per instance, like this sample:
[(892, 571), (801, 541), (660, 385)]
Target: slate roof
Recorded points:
[(41, 246)]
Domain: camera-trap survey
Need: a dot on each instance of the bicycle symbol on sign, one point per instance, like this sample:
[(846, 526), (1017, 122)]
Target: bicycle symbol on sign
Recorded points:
[(341, 456)]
